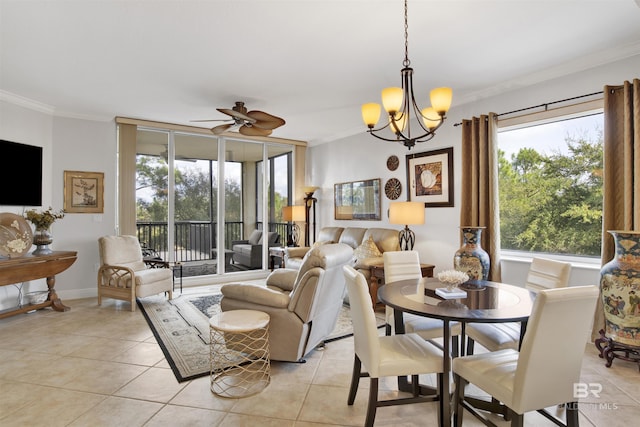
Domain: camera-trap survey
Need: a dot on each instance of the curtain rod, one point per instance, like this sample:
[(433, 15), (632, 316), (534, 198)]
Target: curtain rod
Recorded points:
[(545, 105)]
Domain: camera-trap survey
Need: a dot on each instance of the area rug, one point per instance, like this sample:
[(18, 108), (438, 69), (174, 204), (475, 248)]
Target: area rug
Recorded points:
[(181, 327)]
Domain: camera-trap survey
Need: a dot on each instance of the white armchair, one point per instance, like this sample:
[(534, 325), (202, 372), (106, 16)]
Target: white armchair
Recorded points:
[(403, 265), (387, 356), (543, 274), (547, 367), (303, 305), (123, 273)]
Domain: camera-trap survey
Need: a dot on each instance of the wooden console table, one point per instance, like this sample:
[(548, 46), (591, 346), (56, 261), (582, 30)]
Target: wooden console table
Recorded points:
[(29, 267), (377, 278)]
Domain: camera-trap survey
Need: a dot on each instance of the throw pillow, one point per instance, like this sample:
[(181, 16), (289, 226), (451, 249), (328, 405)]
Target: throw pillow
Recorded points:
[(368, 249)]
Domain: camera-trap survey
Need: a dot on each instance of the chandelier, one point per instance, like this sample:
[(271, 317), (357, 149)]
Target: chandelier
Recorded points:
[(400, 105)]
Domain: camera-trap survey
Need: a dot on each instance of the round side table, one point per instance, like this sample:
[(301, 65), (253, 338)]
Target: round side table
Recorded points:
[(239, 353)]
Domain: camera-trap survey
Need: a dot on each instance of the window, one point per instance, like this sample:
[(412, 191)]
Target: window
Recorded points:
[(180, 181), (550, 183)]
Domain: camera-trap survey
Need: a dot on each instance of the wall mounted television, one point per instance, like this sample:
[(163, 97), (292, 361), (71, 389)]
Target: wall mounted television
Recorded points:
[(22, 188)]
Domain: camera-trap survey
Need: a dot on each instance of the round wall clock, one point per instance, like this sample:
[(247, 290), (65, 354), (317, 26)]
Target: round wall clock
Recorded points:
[(392, 163), (393, 188)]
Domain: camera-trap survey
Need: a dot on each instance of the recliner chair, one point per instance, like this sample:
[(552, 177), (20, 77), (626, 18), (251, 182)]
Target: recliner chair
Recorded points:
[(303, 305)]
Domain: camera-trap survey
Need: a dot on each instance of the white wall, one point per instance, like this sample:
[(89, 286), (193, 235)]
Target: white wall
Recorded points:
[(68, 144), (27, 126), (364, 157)]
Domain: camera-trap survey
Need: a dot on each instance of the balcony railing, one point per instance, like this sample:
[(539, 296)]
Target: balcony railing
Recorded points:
[(194, 240)]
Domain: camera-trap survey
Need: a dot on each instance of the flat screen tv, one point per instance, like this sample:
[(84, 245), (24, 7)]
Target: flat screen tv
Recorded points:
[(21, 177)]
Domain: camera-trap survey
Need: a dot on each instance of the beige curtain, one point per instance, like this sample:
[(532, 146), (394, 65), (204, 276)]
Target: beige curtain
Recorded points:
[(621, 206), (479, 206)]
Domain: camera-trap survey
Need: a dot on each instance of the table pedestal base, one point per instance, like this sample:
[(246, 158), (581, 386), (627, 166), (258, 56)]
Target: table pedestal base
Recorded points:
[(610, 349)]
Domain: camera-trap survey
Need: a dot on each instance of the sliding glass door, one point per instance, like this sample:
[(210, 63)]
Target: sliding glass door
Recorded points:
[(202, 201)]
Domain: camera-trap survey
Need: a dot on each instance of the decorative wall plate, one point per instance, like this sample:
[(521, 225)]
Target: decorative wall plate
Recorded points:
[(16, 236), (392, 163), (393, 188)]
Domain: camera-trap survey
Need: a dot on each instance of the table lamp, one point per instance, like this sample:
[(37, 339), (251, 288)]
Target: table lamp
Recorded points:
[(406, 213), (294, 214)]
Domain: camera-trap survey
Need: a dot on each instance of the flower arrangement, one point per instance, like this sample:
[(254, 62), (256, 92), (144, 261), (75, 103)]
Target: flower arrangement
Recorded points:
[(45, 218), (452, 278)]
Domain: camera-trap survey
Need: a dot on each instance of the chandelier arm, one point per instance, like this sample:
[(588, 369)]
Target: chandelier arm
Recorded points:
[(403, 116)]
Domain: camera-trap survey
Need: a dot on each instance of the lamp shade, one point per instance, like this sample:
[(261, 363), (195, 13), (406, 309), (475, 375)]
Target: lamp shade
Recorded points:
[(430, 117), (370, 113), (406, 213), (293, 213), (392, 99), (441, 99), (309, 189)]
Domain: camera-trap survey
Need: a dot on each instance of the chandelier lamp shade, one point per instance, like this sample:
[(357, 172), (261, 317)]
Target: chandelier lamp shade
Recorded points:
[(294, 214), (406, 213), (402, 108)]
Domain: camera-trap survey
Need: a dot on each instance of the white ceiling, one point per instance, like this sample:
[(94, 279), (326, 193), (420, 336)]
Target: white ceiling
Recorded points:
[(312, 62)]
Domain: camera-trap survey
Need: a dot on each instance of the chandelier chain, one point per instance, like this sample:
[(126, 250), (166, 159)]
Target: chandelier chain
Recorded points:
[(406, 61)]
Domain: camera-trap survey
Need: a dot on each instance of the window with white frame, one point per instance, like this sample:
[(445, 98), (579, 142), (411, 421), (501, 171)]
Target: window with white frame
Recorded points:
[(550, 185)]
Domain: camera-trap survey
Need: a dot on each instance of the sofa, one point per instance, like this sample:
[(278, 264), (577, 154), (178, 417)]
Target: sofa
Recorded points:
[(385, 239), (249, 252), (303, 305)]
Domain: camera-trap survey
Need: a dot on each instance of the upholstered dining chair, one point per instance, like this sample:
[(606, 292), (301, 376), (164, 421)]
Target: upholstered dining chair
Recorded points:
[(386, 356), (543, 274), (123, 273), (403, 265), (536, 377)]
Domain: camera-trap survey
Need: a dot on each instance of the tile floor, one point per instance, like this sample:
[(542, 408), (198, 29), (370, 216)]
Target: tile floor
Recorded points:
[(101, 366)]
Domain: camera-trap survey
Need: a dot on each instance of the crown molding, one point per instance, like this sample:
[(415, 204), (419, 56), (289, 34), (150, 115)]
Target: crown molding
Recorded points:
[(21, 101)]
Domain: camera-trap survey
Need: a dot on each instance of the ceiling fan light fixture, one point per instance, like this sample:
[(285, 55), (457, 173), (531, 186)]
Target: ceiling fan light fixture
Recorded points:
[(250, 123), (400, 105)]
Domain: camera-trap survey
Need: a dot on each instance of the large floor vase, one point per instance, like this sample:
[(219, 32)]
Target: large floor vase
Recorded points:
[(471, 258), (620, 286)]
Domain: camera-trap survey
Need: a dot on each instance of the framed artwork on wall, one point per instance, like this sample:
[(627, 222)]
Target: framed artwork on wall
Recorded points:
[(83, 192), (430, 177), (357, 200)]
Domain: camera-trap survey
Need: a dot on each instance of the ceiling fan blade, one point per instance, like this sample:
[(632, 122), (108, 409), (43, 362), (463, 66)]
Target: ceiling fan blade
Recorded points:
[(254, 131), (221, 128), (236, 114), (265, 120)]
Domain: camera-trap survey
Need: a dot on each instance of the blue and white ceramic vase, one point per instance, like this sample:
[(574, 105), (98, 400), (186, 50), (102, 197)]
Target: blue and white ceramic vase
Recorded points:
[(620, 289), (471, 258)]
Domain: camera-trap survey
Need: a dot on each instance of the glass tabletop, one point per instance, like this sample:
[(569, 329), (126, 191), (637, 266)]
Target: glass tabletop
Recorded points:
[(484, 301)]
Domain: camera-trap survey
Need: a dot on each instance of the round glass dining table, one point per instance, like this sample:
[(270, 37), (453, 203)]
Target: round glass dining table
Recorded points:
[(485, 301)]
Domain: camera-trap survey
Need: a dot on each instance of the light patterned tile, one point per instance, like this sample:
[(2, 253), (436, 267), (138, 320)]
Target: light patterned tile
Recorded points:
[(116, 411), (155, 384)]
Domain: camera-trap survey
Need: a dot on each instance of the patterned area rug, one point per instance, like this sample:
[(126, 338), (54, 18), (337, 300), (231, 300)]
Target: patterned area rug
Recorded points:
[(181, 327)]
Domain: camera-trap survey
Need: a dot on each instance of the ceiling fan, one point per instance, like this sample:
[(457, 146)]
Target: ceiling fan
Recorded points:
[(250, 123)]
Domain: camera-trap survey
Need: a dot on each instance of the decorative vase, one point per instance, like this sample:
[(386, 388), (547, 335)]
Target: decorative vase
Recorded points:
[(471, 258), (620, 289), (42, 239)]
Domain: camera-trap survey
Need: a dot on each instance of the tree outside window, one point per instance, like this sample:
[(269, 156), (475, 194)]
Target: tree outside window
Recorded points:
[(550, 181)]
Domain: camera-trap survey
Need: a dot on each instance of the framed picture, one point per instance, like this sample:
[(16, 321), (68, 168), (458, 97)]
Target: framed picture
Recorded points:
[(358, 200), (430, 177), (83, 192)]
